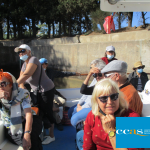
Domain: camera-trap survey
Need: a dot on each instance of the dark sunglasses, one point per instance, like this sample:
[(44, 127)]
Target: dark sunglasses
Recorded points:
[(113, 97), (22, 51), (140, 67), (97, 75), (4, 84)]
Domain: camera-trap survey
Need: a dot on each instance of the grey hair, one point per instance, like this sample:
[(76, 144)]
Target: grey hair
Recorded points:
[(123, 75), (99, 63)]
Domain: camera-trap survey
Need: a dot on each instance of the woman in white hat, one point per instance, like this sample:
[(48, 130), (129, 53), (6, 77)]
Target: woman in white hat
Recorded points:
[(33, 73), (109, 54), (138, 78)]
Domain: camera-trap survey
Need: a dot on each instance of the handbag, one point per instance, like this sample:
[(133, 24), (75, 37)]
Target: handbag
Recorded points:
[(35, 94)]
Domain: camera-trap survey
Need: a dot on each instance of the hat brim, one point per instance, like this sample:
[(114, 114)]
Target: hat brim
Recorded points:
[(110, 50), (138, 66), (16, 49)]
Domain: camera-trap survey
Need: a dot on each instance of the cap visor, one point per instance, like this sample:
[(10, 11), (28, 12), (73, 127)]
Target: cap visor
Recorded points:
[(16, 49)]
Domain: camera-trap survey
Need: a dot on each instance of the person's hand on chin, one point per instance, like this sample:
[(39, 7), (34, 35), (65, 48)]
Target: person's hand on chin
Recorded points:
[(108, 123)]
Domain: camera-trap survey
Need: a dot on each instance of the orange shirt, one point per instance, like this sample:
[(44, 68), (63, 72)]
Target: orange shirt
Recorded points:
[(133, 98)]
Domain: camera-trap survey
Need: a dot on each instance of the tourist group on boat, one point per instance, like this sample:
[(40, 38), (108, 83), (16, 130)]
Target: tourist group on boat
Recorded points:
[(112, 93)]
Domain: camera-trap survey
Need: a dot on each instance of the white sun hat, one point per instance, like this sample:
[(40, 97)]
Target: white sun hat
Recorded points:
[(23, 46)]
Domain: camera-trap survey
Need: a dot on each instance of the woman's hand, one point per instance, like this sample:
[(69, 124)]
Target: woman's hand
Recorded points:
[(28, 127), (108, 123), (22, 86), (4, 94), (94, 70), (79, 107), (26, 141)]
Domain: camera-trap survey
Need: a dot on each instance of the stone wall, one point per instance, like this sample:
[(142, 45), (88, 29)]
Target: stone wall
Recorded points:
[(66, 54), (77, 57), (9, 60)]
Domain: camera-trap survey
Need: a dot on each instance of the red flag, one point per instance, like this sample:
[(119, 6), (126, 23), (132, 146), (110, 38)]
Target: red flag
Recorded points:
[(109, 24)]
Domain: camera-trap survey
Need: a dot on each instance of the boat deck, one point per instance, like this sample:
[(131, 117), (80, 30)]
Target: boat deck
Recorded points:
[(64, 140)]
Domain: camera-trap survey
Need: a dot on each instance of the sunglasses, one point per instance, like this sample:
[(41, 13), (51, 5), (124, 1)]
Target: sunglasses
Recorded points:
[(140, 68), (4, 84), (22, 51), (113, 97), (107, 75), (97, 75)]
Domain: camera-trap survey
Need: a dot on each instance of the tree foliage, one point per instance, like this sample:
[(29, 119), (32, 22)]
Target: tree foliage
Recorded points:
[(21, 18), (98, 17)]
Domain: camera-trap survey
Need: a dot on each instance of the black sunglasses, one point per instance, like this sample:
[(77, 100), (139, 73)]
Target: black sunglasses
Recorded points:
[(113, 97), (4, 84), (22, 51), (97, 75), (140, 67)]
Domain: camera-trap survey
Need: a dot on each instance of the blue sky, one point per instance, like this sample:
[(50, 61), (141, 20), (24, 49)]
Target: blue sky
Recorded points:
[(137, 20)]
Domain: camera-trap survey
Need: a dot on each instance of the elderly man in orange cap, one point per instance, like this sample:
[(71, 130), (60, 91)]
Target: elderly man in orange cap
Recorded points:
[(138, 78)]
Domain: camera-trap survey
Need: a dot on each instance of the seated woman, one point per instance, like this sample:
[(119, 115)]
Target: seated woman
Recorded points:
[(79, 112), (109, 54), (138, 78), (22, 128), (107, 104)]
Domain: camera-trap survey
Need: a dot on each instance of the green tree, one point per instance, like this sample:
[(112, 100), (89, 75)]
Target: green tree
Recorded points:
[(98, 17)]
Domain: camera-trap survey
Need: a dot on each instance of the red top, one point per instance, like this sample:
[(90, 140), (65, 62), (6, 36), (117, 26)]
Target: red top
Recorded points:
[(106, 60), (95, 138)]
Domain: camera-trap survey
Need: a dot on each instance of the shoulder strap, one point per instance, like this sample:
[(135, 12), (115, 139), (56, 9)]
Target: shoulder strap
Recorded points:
[(39, 87)]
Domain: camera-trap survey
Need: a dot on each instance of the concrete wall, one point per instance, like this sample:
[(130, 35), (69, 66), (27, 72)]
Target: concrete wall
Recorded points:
[(9, 60), (114, 37), (77, 57), (130, 47), (12, 43), (65, 40)]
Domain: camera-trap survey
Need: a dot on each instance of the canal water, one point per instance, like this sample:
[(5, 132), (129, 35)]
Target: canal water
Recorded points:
[(69, 82), (60, 83)]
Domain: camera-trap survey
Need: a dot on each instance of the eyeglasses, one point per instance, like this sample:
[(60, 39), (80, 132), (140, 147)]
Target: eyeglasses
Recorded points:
[(107, 75), (113, 97), (139, 67), (4, 84), (97, 75), (22, 51)]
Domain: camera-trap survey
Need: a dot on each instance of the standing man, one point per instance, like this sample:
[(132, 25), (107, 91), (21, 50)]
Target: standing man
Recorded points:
[(59, 100)]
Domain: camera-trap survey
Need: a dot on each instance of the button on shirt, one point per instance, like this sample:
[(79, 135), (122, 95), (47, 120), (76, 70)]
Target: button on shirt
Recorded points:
[(139, 86)]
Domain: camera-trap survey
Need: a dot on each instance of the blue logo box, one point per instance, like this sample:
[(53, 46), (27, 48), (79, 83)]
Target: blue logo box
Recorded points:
[(132, 132)]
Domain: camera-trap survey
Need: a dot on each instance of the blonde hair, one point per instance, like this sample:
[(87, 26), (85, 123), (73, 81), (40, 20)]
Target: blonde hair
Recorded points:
[(107, 86)]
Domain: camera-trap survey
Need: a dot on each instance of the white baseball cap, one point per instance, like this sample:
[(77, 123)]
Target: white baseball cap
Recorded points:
[(110, 48), (23, 46)]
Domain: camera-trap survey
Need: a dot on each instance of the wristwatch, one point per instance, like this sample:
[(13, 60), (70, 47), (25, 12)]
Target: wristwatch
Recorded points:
[(112, 134), (27, 132)]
